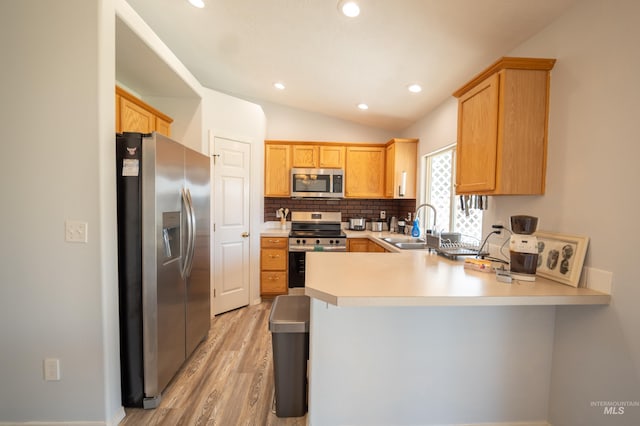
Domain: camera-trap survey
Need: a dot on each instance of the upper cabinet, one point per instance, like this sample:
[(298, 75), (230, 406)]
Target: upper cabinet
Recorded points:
[(332, 156), (364, 172), (304, 156), (502, 129), (277, 166), (134, 115), (371, 171), (401, 161), (309, 155)]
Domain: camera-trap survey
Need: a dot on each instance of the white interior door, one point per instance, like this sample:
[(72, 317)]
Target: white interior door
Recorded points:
[(231, 186)]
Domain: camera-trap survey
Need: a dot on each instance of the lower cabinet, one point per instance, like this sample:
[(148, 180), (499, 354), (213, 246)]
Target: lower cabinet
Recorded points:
[(364, 245), (274, 257)]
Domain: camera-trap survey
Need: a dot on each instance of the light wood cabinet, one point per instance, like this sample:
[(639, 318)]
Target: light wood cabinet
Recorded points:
[(371, 171), (502, 129), (273, 266), (277, 169), (364, 245), (401, 157), (364, 172), (332, 156), (357, 244), (134, 115), (308, 155), (305, 155)]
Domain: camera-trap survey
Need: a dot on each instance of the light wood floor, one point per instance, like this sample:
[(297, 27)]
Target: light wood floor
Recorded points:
[(227, 381)]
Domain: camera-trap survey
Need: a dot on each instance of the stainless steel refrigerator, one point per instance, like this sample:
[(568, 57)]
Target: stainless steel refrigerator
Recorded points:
[(163, 191)]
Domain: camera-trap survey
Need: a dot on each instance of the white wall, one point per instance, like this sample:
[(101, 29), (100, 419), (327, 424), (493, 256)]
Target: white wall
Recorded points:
[(58, 299), (236, 119), (284, 123), (435, 131), (187, 119), (592, 177), (429, 365)]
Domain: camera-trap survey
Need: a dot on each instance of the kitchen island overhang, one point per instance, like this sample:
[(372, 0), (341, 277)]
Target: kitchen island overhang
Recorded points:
[(420, 278), (412, 338)]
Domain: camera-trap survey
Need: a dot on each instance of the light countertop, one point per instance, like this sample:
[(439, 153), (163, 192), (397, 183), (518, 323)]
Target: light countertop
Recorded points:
[(420, 278), (275, 229)]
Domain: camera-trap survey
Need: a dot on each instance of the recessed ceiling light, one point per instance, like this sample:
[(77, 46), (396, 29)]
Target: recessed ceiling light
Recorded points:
[(278, 85), (363, 106), (415, 88), (349, 8), (197, 3)]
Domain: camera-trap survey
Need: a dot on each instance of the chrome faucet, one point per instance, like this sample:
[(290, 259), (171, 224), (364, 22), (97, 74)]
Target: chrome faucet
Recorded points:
[(415, 216)]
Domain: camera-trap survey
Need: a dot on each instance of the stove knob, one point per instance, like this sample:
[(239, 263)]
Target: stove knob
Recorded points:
[(304, 241), (297, 241), (317, 241), (330, 241)]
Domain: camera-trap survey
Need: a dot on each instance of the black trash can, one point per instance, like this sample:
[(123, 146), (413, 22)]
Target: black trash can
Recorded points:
[(289, 325)]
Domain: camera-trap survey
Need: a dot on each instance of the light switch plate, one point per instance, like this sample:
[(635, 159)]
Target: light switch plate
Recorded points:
[(76, 231), (52, 369)]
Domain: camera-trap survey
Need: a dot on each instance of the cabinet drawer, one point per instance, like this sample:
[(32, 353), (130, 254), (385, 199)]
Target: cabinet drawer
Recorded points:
[(273, 259), (273, 282), (274, 242)]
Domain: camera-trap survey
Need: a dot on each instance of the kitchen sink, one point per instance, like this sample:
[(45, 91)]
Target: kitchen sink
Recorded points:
[(411, 245), (407, 243), (394, 241)]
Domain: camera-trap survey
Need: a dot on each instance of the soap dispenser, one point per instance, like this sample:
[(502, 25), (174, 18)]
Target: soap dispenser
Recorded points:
[(415, 231)]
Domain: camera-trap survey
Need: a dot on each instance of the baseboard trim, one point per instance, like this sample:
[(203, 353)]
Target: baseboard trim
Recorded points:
[(118, 416)]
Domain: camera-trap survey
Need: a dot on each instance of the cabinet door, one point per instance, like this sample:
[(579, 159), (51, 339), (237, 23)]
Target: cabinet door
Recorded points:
[(163, 127), (304, 156), (118, 124), (332, 157), (364, 172), (401, 157), (273, 282), (358, 244), (277, 170), (390, 172), (476, 151), (133, 118), (376, 248), (273, 259)]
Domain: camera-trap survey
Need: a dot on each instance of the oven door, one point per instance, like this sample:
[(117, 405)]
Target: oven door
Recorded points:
[(296, 268)]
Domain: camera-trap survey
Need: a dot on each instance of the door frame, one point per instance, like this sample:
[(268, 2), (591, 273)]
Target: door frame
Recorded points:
[(256, 209)]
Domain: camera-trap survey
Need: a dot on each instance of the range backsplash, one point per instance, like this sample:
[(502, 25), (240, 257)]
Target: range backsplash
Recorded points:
[(350, 208)]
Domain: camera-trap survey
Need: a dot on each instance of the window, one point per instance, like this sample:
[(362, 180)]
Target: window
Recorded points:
[(439, 178)]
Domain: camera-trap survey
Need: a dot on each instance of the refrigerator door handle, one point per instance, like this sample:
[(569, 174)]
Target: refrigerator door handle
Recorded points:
[(192, 233), (186, 251)]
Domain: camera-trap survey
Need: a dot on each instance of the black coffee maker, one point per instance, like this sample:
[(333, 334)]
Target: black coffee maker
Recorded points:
[(523, 247)]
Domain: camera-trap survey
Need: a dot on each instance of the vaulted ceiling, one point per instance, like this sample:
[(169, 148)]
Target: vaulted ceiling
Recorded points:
[(330, 63)]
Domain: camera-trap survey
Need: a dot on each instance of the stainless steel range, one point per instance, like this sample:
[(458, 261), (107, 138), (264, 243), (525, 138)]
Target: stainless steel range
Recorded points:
[(312, 231)]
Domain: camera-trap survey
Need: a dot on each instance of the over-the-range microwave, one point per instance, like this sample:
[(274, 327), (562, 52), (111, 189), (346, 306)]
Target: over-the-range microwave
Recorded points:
[(317, 183)]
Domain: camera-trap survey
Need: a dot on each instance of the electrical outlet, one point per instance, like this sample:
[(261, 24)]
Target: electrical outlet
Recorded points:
[(52, 369), (383, 214), (75, 231)]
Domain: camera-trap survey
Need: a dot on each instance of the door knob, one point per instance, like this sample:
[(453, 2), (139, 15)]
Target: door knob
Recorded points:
[(245, 234)]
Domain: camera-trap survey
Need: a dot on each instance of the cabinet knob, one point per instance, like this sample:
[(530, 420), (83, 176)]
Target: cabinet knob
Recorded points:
[(245, 234)]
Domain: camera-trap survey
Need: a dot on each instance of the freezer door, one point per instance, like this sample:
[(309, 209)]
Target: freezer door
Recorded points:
[(198, 309), (163, 288)]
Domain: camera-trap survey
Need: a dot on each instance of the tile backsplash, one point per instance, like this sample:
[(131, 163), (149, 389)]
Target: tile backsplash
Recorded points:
[(350, 207)]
